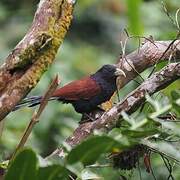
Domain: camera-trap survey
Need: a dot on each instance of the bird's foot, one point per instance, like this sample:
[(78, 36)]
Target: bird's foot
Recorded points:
[(92, 116), (86, 118)]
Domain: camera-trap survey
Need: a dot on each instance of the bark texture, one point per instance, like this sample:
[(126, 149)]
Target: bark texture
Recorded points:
[(32, 56)]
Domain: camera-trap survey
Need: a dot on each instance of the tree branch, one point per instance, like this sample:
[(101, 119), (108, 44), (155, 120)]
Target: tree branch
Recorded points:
[(36, 115), (32, 56), (158, 81), (149, 54)]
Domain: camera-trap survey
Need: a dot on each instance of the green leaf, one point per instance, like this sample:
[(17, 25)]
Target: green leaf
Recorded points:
[(134, 15), (87, 175), (54, 172), (159, 112), (23, 167), (90, 150), (176, 108), (139, 134), (171, 151), (175, 94), (4, 164), (176, 101)]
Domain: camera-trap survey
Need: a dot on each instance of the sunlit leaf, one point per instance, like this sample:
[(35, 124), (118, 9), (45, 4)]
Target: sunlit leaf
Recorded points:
[(87, 174)]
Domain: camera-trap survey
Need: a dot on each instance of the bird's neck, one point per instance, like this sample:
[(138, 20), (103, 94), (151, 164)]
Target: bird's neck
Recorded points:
[(104, 82)]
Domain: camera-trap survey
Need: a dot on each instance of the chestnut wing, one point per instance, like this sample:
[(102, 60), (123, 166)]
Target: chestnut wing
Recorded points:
[(84, 88)]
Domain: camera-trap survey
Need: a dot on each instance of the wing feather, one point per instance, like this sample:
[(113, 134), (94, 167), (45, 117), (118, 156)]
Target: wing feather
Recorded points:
[(84, 88)]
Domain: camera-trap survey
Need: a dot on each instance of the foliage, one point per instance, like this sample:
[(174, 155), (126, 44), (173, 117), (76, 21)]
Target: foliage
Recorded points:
[(93, 40), (159, 136), (24, 166)]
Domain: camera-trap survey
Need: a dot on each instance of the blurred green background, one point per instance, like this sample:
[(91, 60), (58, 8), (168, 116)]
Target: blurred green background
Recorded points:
[(93, 40)]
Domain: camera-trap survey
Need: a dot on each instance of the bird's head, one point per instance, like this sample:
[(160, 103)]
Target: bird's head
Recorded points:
[(110, 71)]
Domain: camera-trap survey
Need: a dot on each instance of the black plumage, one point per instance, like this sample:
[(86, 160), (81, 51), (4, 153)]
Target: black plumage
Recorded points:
[(84, 94)]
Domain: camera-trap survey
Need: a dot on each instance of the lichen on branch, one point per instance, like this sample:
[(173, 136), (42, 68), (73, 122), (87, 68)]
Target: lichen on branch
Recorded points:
[(33, 55)]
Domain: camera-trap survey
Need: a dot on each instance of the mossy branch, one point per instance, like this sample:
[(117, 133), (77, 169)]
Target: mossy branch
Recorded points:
[(33, 55)]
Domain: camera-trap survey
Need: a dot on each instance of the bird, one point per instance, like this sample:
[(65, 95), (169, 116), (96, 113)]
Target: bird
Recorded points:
[(85, 94)]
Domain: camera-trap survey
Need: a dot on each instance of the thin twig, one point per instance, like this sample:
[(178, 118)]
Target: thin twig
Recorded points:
[(176, 17), (99, 165), (152, 172), (177, 140), (177, 36), (1, 128), (139, 169), (164, 53), (168, 166), (36, 115), (123, 46), (150, 38), (154, 67), (164, 154), (174, 22)]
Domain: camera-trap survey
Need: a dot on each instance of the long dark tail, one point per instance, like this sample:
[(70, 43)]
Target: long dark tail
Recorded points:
[(30, 102)]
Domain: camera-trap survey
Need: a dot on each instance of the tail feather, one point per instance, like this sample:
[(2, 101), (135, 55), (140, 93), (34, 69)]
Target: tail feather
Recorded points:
[(29, 102)]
